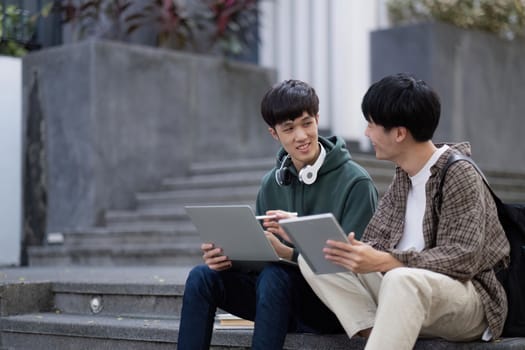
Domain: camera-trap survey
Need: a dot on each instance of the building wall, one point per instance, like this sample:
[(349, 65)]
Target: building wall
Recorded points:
[(10, 167), (325, 43)]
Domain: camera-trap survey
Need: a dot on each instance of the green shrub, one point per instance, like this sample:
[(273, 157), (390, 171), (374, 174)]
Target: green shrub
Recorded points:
[(15, 29), (18, 29), (503, 17)]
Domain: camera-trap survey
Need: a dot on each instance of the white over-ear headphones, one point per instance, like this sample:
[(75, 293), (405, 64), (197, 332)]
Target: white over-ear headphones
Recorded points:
[(308, 174)]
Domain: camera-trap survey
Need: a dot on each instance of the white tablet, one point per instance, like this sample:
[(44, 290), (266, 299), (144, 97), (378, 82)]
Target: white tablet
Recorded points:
[(309, 234)]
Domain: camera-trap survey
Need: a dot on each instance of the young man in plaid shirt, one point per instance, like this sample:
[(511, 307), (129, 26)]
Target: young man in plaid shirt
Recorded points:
[(421, 268)]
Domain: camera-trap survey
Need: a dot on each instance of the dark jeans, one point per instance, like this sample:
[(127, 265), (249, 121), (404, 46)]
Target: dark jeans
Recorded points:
[(278, 299)]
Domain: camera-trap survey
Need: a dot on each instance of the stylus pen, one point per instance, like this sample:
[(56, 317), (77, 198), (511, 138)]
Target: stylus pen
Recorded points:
[(262, 217)]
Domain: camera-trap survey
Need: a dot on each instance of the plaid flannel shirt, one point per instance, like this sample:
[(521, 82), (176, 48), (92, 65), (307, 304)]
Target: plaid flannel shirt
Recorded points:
[(463, 239)]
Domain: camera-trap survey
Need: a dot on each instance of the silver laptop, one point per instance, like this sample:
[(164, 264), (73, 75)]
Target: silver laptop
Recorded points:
[(237, 231)]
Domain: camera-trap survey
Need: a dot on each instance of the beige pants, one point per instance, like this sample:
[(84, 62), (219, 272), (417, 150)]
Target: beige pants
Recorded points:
[(401, 305)]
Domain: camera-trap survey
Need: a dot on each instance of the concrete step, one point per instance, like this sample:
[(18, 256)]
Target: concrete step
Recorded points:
[(126, 233), (132, 233), (131, 292), (515, 184), (381, 176), (176, 227), (244, 178), (510, 196), (503, 174), (372, 164), (59, 331), (173, 254), (232, 166), (509, 187), (124, 244), (264, 164), (157, 299), (240, 195), (136, 275), (51, 331), (159, 215)]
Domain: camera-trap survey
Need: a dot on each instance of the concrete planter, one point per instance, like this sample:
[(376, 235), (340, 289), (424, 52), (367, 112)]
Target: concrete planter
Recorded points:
[(117, 118), (480, 78)]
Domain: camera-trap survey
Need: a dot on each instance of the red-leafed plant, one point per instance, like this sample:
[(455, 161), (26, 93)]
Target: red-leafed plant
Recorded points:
[(205, 26), (94, 18), (169, 20), (233, 21)]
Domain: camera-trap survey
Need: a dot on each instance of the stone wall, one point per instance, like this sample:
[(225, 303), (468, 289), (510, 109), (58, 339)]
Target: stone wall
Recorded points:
[(117, 118), (480, 78)]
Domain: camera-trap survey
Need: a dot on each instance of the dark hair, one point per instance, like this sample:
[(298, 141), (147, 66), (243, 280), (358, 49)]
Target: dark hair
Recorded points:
[(402, 100), (287, 101)]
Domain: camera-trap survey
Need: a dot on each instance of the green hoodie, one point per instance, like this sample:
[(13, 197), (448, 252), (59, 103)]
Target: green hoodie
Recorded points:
[(342, 188)]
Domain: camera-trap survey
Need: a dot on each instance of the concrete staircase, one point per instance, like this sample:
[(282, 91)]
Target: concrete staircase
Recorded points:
[(124, 288), (127, 308), (158, 231)]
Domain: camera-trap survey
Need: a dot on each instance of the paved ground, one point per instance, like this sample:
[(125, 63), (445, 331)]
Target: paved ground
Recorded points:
[(103, 274)]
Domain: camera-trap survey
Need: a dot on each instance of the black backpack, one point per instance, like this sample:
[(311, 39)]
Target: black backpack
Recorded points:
[(512, 219)]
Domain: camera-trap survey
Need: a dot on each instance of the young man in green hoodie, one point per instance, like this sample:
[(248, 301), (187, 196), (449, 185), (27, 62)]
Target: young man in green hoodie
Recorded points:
[(312, 175)]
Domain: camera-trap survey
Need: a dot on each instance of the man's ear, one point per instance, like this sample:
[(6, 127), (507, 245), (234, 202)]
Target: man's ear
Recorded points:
[(273, 132), (317, 118), (401, 133)]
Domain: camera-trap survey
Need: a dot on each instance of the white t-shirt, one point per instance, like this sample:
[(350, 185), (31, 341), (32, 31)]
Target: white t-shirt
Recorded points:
[(416, 203)]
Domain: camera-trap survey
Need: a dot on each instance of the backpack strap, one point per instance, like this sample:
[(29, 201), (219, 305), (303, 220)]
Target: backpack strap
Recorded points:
[(456, 157), (500, 206)]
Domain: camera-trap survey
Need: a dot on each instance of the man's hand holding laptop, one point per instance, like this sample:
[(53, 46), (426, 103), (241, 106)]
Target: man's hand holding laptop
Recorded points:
[(214, 258)]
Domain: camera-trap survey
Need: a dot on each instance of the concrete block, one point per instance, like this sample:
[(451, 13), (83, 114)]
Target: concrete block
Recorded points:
[(479, 76), (118, 118)]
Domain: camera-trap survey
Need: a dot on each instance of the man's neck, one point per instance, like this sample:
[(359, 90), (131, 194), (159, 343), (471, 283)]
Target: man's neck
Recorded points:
[(416, 156)]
